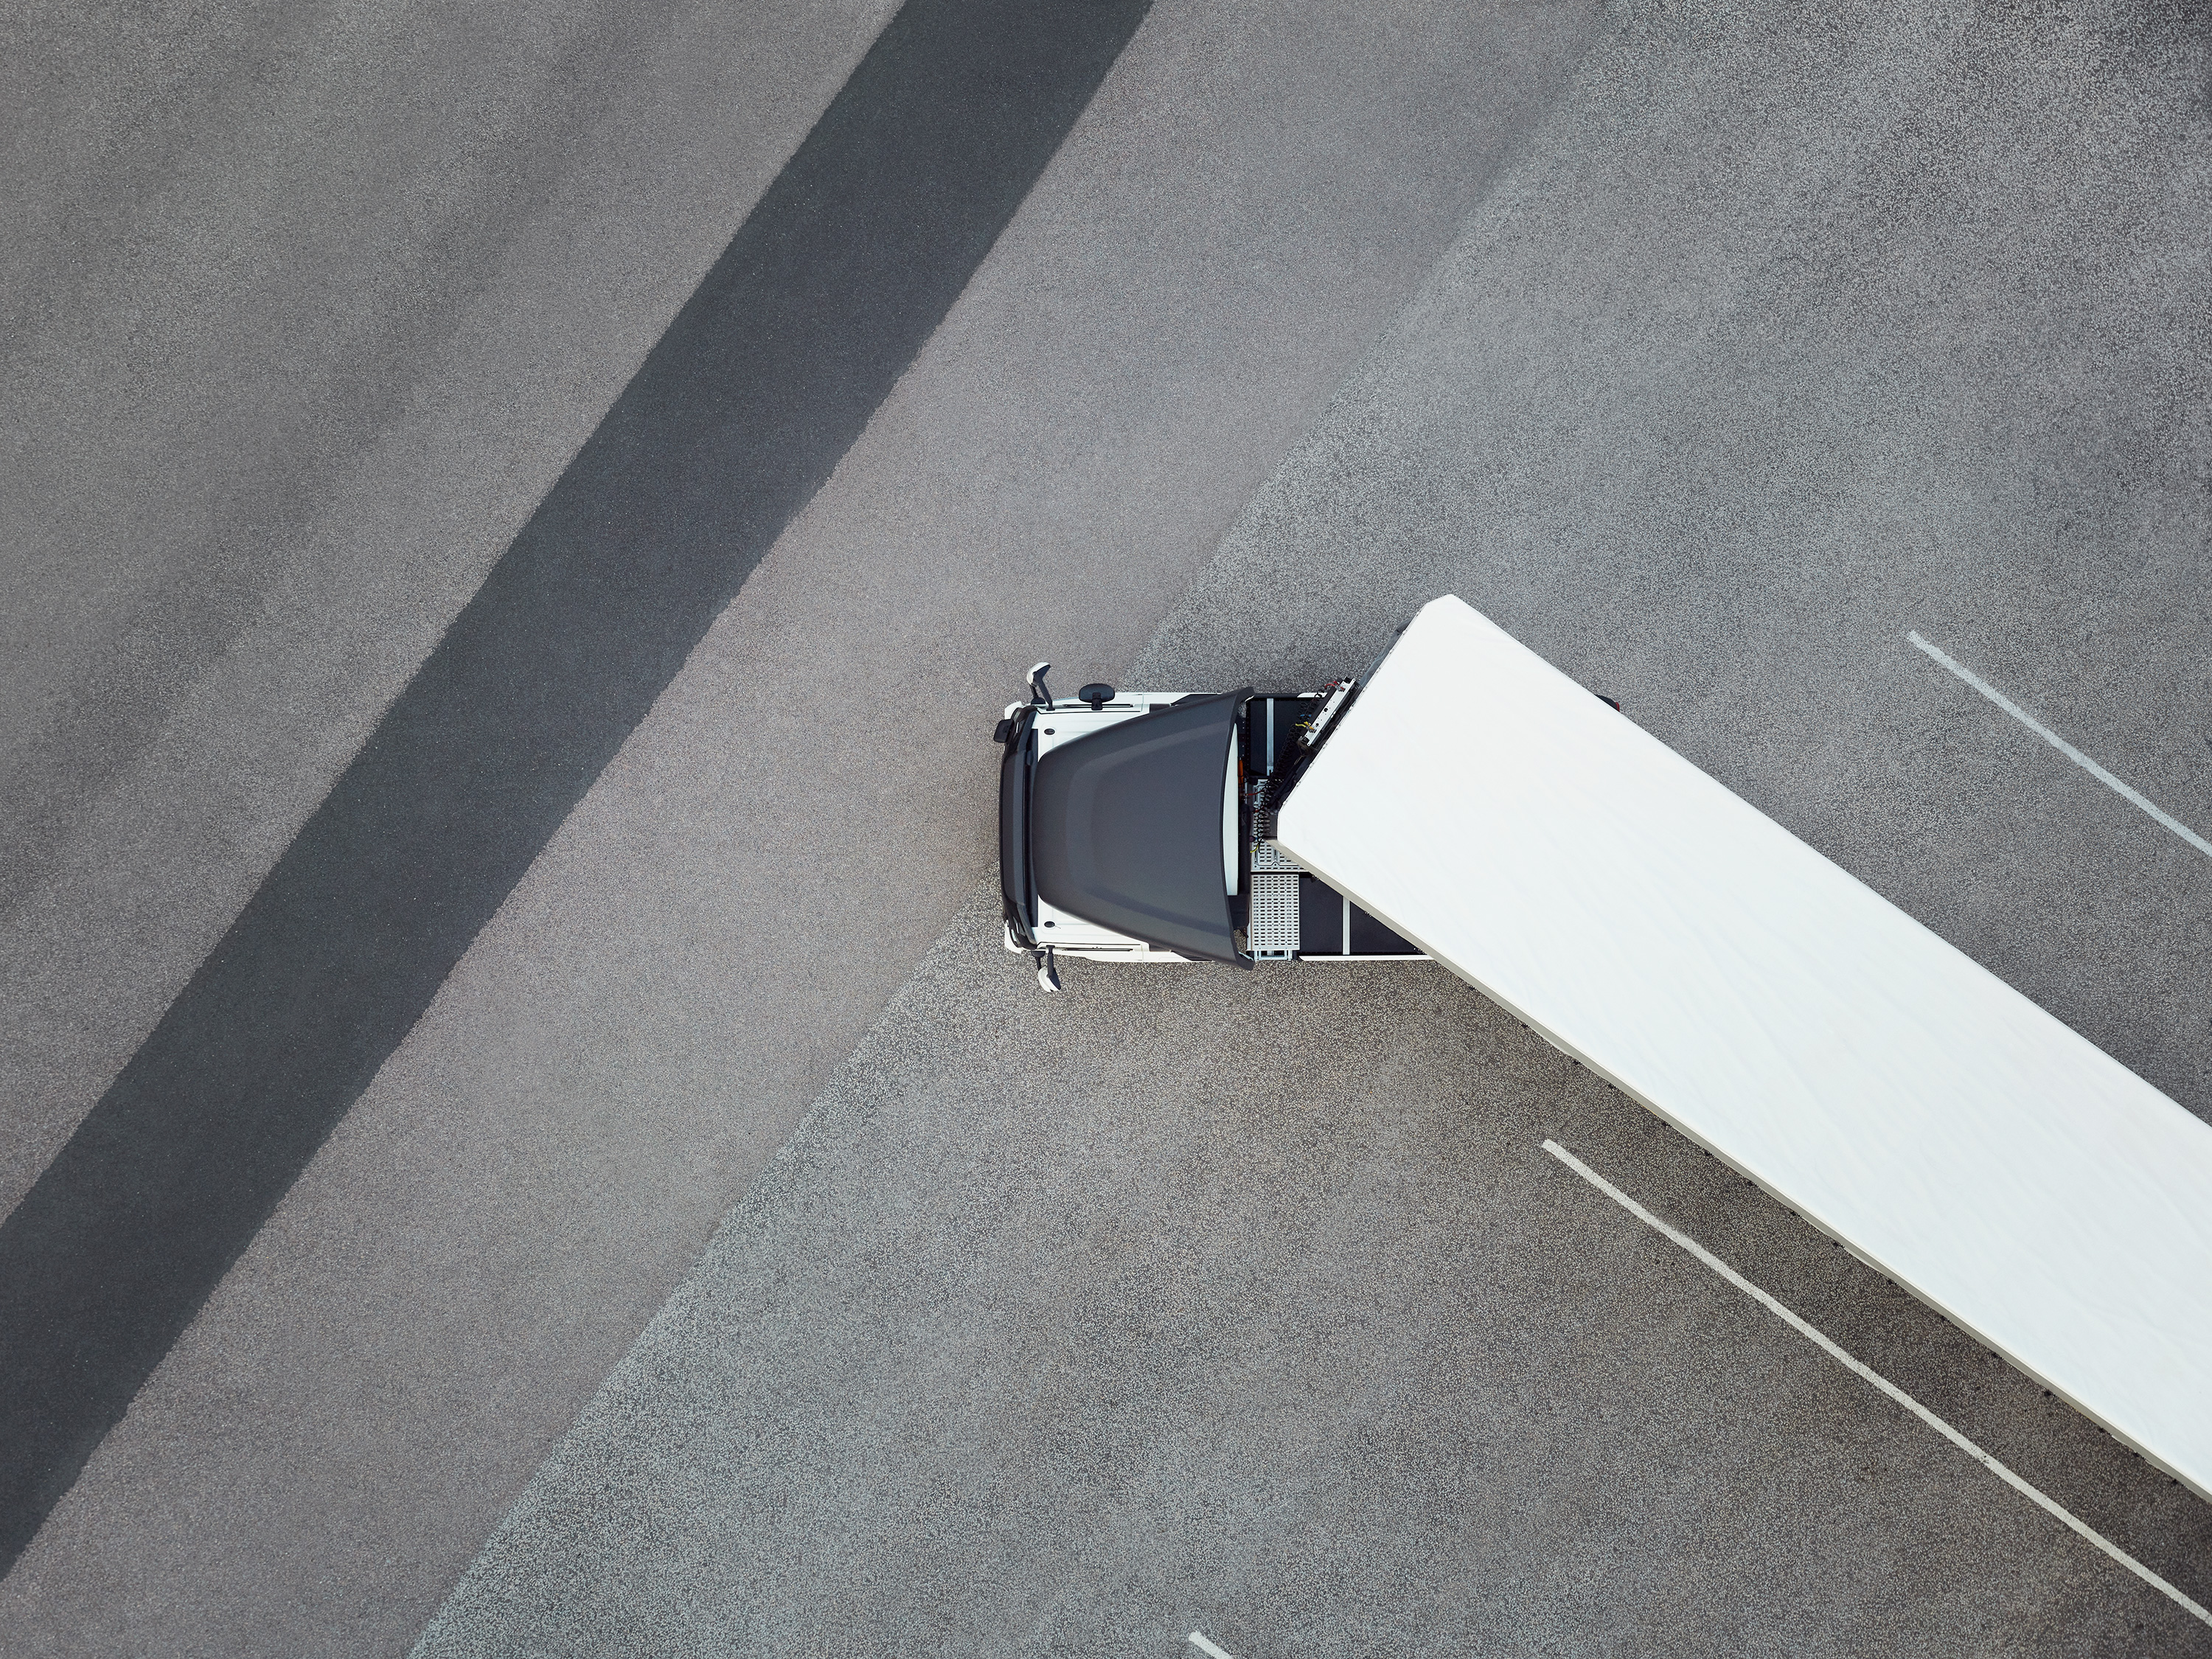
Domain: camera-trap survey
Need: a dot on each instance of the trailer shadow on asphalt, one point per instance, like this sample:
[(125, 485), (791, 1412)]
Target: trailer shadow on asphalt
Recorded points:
[(1246, 1302)]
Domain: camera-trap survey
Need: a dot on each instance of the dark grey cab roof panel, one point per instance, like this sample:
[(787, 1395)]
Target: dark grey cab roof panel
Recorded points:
[(1125, 827)]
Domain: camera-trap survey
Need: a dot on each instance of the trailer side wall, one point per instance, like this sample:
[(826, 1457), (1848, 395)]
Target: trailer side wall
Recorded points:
[(1784, 1015)]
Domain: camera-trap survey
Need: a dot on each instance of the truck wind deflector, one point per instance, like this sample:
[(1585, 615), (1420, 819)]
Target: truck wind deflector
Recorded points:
[(1125, 827), (1014, 884)]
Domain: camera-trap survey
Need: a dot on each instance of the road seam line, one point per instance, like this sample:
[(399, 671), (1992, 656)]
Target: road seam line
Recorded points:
[(2062, 745), (1879, 1381)]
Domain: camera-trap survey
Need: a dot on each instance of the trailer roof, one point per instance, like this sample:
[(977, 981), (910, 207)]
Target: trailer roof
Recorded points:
[(1783, 1014)]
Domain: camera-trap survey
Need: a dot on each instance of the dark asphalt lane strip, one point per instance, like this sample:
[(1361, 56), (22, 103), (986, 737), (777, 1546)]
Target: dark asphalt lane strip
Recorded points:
[(771, 370)]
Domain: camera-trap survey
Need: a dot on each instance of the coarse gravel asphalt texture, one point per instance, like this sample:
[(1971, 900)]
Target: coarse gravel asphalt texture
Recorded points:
[(1248, 1303), (1070, 1325), (1245, 1303)]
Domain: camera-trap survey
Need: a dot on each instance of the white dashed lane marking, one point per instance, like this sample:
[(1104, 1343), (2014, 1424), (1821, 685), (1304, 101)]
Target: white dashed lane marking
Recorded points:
[(2063, 746), (2031, 1493)]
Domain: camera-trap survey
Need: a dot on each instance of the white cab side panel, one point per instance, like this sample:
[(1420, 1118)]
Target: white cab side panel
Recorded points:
[(1782, 1013)]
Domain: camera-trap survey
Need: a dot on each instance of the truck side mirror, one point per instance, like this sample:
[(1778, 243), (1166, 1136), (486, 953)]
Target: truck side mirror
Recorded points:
[(1097, 696), (1039, 693)]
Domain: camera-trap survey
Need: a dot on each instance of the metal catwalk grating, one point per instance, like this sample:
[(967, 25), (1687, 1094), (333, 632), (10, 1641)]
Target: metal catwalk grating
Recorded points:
[(1273, 927)]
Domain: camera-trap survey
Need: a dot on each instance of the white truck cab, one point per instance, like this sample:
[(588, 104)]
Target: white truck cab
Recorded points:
[(1138, 827), (1466, 799)]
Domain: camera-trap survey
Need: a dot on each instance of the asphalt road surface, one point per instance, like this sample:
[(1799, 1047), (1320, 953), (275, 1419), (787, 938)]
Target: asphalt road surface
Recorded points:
[(1711, 354)]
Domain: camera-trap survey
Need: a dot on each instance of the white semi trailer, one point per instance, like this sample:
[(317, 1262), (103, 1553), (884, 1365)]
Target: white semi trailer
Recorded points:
[(1469, 803)]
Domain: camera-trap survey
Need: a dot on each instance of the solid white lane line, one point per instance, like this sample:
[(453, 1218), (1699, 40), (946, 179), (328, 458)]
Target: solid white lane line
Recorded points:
[(2062, 745), (1205, 1646), (1875, 1378)]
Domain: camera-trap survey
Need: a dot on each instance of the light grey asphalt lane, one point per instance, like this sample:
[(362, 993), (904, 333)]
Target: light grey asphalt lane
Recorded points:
[(308, 311), (1246, 204), (250, 246), (1248, 1303)]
